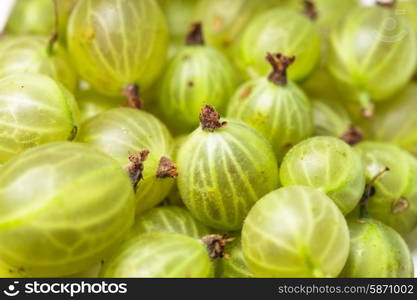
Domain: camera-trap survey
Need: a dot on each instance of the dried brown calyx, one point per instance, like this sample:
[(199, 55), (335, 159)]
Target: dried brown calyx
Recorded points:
[(310, 9), (195, 35), (131, 92), (135, 167), (210, 119), (353, 135), (400, 205), (369, 192), (280, 64), (386, 3), (167, 168), (54, 36), (216, 245)]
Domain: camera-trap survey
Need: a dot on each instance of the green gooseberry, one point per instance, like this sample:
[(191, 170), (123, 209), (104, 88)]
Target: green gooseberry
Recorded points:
[(224, 168), (370, 239), (76, 205), (295, 232), (275, 107), (141, 143), (394, 193), (329, 165)]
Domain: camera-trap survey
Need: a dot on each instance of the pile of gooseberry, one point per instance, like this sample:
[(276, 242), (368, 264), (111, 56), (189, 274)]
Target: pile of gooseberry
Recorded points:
[(208, 138)]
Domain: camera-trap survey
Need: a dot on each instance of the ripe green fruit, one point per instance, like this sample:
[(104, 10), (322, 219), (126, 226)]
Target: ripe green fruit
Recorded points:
[(329, 165), (396, 121), (233, 265), (276, 108), (371, 239), (160, 254), (115, 43), (30, 54), (91, 104), (35, 110), (278, 31), (332, 119), (224, 20), (373, 52), (224, 168), (394, 197), (75, 206), (295, 232), (121, 132), (169, 219), (32, 17), (196, 76)]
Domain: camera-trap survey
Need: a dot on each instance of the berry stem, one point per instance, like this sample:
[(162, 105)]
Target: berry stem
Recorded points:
[(166, 168), (195, 35), (353, 135), (131, 92), (280, 64), (54, 36), (310, 9), (369, 192), (216, 245), (136, 166), (210, 119), (367, 107)]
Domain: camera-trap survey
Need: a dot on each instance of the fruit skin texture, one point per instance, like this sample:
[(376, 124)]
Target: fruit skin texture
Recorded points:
[(330, 118), (395, 199), (281, 31), (75, 206), (196, 76), (32, 16), (160, 254), (169, 219), (224, 172), (396, 121), (91, 104), (366, 54), (329, 165), (370, 239), (233, 266), (224, 20), (282, 114), (120, 131), (35, 110), (117, 42), (29, 54), (295, 232)]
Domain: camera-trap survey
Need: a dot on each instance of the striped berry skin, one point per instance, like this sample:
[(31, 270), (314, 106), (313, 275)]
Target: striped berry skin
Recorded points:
[(160, 254), (223, 172), (122, 131), (282, 114), (27, 53), (196, 76), (366, 50), (295, 232), (396, 122), (329, 165), (224, 20), (394, 201), (169, 219), (233, 265), (283, 31), (76, 205), (370, 239), (35, 110), (118, 42)]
